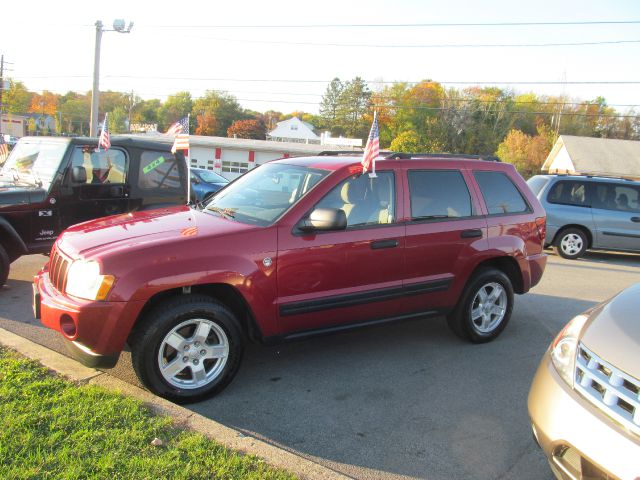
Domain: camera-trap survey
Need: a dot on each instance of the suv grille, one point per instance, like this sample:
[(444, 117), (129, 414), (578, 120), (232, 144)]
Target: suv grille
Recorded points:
[(58, 266), (608, 388)]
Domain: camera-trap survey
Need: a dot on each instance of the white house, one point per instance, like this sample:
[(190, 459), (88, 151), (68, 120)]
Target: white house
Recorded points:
[(293, 130), (605, 156)]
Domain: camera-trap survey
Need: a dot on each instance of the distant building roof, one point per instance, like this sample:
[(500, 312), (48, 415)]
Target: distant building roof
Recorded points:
[(594, 155), (295, 129), (295, 148)]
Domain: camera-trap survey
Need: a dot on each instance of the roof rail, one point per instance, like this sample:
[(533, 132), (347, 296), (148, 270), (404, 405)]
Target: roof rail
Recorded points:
[(327, 153), (409, 156), (612, 176)]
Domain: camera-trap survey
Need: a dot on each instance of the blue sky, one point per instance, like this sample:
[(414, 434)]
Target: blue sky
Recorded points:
[(189, 46)]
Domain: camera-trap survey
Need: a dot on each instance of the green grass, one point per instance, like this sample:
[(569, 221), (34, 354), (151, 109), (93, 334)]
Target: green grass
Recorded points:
[(53, 428)]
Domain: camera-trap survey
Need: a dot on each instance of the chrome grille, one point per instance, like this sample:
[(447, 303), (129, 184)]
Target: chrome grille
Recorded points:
[(58, 266), (608, 388)]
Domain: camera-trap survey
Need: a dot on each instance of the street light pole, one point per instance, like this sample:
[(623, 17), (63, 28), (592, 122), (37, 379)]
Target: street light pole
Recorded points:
[(95, 93), (120, 27)]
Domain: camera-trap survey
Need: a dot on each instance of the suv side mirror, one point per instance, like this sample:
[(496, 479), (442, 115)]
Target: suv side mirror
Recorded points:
[(79, 175), (325, 219)]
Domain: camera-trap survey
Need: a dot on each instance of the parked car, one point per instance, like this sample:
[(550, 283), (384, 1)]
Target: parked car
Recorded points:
[(584, 402), (589, 212), (204, 183), (50, 183), (293, 248)]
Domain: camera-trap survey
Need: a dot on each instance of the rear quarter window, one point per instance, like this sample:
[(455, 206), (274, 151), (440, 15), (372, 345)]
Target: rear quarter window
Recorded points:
[(537, 183), (568, 192), (500, 194)]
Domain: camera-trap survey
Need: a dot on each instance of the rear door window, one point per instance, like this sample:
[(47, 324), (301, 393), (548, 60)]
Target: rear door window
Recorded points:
[(500, 194), (569, 192), (158, 170), (438, 194), (615, 196)]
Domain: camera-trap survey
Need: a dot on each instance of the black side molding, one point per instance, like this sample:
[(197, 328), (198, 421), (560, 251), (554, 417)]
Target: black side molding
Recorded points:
[(352, 299)]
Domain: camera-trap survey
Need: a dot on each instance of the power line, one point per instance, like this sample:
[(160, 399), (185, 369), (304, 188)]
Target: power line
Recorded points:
[(394, 82), (405, 25), (440, 45)]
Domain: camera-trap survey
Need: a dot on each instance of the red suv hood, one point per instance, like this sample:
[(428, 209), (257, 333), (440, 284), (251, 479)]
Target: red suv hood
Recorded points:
[(128, 230)]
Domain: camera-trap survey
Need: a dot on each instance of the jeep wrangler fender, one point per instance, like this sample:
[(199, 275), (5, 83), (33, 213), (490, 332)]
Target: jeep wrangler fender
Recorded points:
[(11, 241)]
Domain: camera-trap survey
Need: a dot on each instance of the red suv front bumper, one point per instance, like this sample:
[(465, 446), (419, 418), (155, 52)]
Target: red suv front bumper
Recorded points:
[(96, 330)]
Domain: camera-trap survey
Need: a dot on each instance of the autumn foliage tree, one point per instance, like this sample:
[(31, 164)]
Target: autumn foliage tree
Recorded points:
[(526, 152), (206, 124), (254, 129)]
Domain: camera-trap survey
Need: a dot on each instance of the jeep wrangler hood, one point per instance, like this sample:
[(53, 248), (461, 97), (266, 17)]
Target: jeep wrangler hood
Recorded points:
[(127, 231), (19, 193)]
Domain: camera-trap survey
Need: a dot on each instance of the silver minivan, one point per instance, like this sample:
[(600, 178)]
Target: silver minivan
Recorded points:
[(589, 212)]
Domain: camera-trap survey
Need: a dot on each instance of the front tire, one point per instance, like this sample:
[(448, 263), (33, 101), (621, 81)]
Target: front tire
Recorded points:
[(187, 349), (5, 264), (571, 243), (484, 308)]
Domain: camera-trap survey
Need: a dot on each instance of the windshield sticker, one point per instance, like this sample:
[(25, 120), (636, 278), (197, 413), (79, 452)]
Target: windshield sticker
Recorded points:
[(153, 165)]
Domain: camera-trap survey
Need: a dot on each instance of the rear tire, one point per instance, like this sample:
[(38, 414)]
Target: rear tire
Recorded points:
[(571, 243), (187, 349), (484, 308), (5, 265)]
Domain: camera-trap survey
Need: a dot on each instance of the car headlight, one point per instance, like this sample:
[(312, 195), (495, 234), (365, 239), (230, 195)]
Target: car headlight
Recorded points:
[(84, 281), (564, 348)]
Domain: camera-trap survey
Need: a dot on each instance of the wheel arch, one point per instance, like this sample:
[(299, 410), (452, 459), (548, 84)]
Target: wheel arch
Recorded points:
[(11, 241), (507, 265), (223, 293)]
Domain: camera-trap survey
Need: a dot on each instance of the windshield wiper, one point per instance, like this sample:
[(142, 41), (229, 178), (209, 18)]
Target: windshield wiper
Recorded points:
[(223, 212)]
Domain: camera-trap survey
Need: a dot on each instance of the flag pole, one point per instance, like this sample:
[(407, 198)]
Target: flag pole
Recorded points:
[(373, 166), (188, 158)]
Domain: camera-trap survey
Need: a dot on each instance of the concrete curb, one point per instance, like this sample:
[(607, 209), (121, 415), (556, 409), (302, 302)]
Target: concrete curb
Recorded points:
[(182, 417)]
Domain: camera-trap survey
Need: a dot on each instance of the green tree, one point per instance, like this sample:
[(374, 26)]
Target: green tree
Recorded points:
[(354, 103), (146, 111), (17, 98), (222, 106), (75, 111), (173, 109), (118, 118), (330, 107)]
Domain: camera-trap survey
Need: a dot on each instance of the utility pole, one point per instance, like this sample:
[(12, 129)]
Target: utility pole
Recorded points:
[(95, 93), (118, 26), (1, 89)]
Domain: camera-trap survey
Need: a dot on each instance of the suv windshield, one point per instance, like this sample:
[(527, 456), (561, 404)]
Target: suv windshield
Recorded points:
[(35, 162), (265, 193)]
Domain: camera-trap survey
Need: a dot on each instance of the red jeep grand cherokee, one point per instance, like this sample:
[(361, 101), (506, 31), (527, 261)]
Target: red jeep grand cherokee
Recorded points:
[(295, 247)]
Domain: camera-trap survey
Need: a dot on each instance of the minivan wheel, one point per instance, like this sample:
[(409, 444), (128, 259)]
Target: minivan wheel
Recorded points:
[(4, 266), (187, 349), (571, 243), (484, 308)]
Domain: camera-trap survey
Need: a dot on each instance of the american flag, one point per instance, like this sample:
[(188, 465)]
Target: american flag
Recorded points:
[(372, 150), (4, 149), (181, 129), (105, 139)]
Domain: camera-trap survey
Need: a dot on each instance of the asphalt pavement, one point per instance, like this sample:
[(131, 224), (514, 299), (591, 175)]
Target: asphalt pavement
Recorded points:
[(398, 401)]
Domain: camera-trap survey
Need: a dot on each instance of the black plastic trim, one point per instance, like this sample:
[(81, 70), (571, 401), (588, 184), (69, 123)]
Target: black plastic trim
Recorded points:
[(353, 299), (616, 234)]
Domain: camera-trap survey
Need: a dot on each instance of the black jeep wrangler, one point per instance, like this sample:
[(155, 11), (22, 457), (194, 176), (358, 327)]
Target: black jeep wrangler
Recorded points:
[(50, 183)]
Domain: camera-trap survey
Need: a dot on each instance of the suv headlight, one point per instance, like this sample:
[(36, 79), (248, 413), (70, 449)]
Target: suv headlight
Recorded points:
[(84, 281), (564, 348)]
